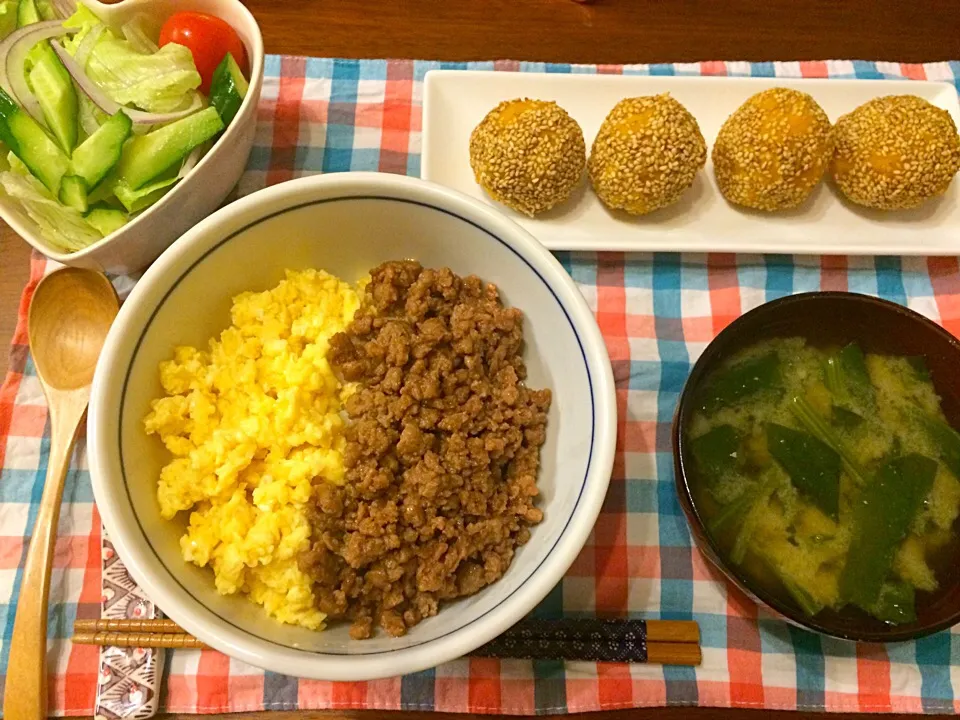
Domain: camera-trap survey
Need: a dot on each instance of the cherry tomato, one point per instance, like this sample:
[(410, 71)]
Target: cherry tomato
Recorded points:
[(208, 38)]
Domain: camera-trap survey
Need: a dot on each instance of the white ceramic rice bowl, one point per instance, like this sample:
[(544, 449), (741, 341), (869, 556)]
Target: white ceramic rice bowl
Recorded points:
[(347, 224)]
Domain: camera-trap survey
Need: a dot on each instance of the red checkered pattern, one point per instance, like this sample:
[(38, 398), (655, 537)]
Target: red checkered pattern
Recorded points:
[(657, 313)]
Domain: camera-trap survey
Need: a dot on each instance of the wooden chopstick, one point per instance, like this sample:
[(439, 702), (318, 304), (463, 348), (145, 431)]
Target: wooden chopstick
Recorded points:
[(668, 642), (138, 626), (139, 639), (656, 653), (674, 654), (672, 631)]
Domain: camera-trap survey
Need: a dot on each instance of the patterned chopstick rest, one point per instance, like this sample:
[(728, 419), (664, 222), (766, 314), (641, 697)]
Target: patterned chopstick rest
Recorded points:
[(129, 677)]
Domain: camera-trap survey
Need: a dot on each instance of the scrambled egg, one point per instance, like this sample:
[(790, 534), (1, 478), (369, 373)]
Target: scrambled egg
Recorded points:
[(251, 423)]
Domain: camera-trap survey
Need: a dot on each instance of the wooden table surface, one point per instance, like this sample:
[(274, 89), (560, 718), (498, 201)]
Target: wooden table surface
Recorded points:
[(604, 31)]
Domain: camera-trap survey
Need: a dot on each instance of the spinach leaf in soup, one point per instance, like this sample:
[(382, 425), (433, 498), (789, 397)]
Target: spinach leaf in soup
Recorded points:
[(717, 451), (813, 466), (882, 515), (944, 438), (741, 381), (896, 604), (848, 380)]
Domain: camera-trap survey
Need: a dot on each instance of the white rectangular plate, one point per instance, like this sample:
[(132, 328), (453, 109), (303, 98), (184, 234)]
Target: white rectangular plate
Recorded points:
[(702, 221)]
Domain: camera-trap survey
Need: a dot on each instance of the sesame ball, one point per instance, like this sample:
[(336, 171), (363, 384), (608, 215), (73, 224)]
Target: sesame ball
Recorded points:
[(646, 155), (773, 150), (528, 154), (895, 152)]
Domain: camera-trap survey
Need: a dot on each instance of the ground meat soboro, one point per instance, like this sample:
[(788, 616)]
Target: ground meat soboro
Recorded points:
[(442, 453)]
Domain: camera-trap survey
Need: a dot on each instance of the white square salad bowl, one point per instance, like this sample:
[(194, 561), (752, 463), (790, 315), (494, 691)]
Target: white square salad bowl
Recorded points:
[(205, 187), (347, 224)]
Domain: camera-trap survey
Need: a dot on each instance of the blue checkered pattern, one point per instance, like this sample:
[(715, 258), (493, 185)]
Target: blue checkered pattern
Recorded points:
[(657, 312)]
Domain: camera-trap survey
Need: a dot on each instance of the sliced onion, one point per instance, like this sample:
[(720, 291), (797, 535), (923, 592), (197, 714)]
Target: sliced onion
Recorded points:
[(137, 37), (89, 124), (86, 45), (110, 106), (87, 120), (193, 158), (64, 8), (13, 53)]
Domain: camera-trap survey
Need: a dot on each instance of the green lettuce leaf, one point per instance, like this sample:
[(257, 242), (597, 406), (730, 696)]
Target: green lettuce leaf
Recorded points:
[(162, 82), (85, 20), (8, 17), (15, 164), (61, 226)]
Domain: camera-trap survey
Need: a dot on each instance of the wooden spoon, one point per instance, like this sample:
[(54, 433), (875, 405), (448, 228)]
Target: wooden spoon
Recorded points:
[(70, 314)]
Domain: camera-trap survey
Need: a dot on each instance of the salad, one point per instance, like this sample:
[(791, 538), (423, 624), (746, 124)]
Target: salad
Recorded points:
[(97, 123)]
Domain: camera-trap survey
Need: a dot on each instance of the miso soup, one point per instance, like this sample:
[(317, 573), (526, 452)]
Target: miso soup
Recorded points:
[(827, 475)]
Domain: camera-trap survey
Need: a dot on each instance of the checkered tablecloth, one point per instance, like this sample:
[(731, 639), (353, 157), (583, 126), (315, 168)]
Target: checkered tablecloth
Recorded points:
[(657, 312)]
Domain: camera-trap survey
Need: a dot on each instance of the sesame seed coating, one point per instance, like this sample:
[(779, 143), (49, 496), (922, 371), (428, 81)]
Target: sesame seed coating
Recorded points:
[(773, 150), (895, 152), (528, 154), (646, 155)]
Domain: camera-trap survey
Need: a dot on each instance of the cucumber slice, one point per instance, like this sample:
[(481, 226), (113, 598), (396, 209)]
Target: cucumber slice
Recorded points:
[(106, 219), (30, 142), (56, 95), (96, 155), (137, 200), (228, 88), (73, 192), (27, 13), (103, 193), (146, 157)]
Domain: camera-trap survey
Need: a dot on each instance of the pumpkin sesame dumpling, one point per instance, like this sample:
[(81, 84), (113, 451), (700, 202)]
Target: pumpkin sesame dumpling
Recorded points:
[(528, 154)]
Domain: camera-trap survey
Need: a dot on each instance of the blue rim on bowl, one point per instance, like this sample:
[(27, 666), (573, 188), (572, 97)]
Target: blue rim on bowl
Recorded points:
[(200, 245)]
